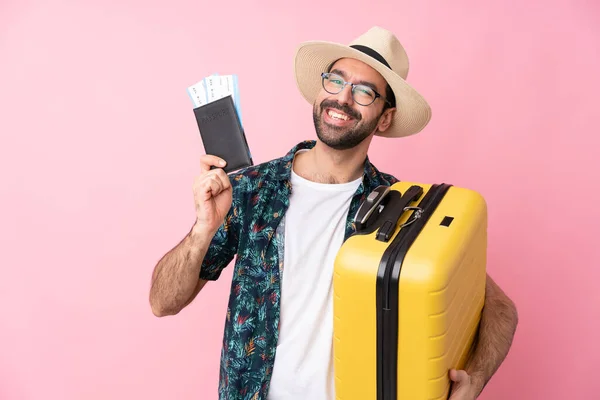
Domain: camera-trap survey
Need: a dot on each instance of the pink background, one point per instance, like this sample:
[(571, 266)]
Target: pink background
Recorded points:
[(99, 150)]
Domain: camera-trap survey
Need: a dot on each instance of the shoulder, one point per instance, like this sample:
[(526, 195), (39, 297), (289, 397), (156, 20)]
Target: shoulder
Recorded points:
[(381, 178), (388, 179)]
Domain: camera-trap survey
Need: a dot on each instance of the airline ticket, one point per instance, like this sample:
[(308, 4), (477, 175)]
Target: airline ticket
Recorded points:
[(215, 87)]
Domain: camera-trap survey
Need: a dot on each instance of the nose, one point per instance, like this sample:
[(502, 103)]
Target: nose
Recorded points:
[(345, 96)]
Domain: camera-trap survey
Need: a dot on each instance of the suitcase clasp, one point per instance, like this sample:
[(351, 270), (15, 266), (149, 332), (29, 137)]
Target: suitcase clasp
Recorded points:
[(387, 229), (390, 222), (418, 211)]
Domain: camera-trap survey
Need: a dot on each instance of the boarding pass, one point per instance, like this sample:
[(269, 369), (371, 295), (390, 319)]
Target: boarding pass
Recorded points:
[(215, 87)]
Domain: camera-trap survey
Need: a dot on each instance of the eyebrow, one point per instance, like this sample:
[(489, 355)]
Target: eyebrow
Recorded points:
[(366, 83)]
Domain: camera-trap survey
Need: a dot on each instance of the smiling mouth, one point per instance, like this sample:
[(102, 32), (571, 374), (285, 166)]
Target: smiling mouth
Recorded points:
[(338, 116)]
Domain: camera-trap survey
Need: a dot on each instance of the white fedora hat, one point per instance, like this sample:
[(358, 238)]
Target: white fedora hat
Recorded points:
[(380, 49)]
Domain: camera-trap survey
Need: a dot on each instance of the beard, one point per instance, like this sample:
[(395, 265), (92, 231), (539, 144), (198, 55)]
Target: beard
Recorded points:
[(341, 138)]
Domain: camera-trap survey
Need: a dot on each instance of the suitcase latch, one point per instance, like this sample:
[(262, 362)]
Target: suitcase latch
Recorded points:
[(388, 227)]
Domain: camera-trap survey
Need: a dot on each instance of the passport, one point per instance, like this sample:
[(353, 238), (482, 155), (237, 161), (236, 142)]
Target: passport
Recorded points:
[(216, 102), (222, 133)]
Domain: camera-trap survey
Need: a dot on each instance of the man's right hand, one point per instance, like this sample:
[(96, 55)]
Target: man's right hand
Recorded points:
[(212, 194), (176, 277)]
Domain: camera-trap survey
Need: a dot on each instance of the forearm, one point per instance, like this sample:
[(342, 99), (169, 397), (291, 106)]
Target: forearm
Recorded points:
[(496, 331), (176, 276)]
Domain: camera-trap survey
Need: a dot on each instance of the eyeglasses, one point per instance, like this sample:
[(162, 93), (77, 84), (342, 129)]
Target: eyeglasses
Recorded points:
[(362, 94)]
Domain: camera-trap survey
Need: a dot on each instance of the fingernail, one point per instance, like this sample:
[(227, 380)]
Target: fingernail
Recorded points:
[(222, 162)]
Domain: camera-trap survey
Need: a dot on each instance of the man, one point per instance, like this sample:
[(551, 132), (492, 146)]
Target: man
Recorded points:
[(278, 334)]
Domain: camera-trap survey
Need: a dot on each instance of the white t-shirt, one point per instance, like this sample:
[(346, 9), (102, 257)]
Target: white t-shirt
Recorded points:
[(314, 231)]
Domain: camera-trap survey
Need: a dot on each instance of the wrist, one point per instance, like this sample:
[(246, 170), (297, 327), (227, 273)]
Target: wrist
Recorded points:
[(201, 232)]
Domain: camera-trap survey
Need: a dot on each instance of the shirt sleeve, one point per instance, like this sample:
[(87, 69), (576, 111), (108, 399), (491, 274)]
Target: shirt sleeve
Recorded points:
[(224, 244)]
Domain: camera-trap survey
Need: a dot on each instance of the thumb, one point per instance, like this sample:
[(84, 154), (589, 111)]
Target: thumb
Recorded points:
[(459, 376), (460, 381)]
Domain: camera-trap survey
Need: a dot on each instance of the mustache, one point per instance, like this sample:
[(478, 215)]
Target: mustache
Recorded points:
[(345, 109)]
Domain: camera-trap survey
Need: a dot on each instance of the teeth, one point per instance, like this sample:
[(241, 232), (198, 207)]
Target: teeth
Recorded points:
[(335, 115)]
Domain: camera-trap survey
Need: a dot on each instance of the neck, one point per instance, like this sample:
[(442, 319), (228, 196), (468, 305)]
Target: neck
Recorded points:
[(326, 165)]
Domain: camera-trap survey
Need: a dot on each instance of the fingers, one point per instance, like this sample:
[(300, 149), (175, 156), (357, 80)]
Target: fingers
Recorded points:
[(222, 177), (459, 376), (210, 187), (461, 385), (208, 160), (212, 183)]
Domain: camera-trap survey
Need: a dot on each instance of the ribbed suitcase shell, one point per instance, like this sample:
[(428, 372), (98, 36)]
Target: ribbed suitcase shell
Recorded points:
[(440, 297)]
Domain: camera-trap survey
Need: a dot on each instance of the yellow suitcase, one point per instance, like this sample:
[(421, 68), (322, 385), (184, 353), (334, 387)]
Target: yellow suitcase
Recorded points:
[(409, 289)]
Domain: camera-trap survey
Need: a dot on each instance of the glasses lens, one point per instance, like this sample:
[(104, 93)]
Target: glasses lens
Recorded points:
[(333, 83), (363, 95)]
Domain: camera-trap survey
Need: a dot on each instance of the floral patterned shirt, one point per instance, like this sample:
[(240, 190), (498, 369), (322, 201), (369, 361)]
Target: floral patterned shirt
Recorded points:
[(252, 233)]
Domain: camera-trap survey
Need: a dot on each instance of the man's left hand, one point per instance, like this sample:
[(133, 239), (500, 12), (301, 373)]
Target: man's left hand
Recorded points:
[(464, 387)]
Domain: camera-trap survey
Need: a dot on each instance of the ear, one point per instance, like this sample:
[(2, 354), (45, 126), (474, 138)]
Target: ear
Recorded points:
[(386, 119)]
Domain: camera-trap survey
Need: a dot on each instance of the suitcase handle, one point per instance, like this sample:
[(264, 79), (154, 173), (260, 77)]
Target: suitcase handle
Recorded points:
[(388, 226), (373, 201)]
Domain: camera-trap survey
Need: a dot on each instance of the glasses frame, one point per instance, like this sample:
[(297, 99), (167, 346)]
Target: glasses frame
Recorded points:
[(326, 75)]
